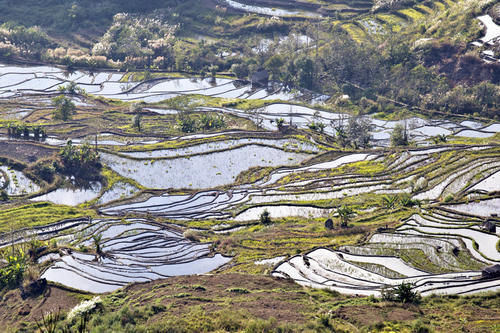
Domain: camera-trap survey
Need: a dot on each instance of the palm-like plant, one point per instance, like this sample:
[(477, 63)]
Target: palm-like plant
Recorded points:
[(389, 201), (345, 214)]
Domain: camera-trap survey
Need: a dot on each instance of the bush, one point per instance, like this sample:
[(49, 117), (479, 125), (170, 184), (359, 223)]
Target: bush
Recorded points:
[(64, 108), (265, 217), (399, 136), (12, 274), (208, 121), (402, 293), (238, 290), (449, 198), (186, 124)]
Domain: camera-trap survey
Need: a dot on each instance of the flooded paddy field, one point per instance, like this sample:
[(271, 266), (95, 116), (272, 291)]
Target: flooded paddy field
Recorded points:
[(41, 83), (435, 255), (171, 203), (131, 251)]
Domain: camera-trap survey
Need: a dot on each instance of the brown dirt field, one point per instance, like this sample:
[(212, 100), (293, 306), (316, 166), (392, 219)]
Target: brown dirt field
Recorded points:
[(14, 310), (268, 297), (25, 151), (369, 315)]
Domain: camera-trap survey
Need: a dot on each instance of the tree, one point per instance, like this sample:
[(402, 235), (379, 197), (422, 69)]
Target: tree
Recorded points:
[(64, 108), (213, 71), (97, 243), (402, 293), (340, 130), (265, 217), (186, 124), (487, 94), (273, 65), (208, 121), (71, 88), (279, 123), (389, 201), (82, 161), (317, 126), (399, 135), (136, 121), (240, 70), (345, 214), (305, 71), (358, 132)]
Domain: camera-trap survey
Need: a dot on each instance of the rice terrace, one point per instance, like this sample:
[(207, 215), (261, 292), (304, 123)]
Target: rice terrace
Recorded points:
[(250, 166)]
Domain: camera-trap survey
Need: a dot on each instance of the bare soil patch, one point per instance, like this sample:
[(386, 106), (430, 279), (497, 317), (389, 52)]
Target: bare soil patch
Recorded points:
[(369, 315), (25, 151), (261, 296), (14, 310)]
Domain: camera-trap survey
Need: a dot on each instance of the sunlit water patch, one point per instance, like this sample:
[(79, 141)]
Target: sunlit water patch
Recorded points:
[(137, 251), (71, 196), (200, 171)]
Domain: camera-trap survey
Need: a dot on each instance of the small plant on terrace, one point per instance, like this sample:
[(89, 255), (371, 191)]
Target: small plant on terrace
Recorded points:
[(402, 293), (345, 214), (265, 217), (280, 123), (97, 243)]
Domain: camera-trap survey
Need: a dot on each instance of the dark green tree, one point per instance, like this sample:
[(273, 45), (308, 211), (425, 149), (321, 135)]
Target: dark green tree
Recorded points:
[(64, 108)]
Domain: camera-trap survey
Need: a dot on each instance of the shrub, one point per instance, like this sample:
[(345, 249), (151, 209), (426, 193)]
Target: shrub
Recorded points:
[(64, 108), (265, 217), (82, 161), (238, 290), (136, 121), (449, 198), (12, 274), (399, 136), (186, 124), (402, 293)]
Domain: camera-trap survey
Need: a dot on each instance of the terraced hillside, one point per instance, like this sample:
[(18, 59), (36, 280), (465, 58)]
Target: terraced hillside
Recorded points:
[(289, 8), (253, 166)]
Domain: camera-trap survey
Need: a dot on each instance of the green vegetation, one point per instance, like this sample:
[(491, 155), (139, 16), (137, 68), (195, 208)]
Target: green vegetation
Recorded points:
[(402, 293), (399, 136), (12, 273), (82, 162), (402, 59), (265, 217), (37, 214), (64, 108), (205, 122), (21, 130)]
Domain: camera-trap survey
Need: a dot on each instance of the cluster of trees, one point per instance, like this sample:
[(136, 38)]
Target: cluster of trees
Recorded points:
[(433, 75), (24, 131), (82, 161), (205, 122), (355, 132), (17, 40), (70, 16), (138, 40), (416, 76)]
